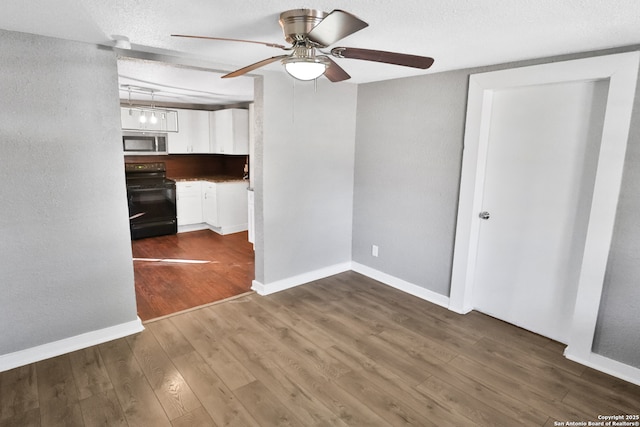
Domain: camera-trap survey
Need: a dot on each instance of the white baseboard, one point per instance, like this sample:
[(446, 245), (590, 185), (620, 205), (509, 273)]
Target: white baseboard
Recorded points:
[(220, 230), (394, 282), (230, 229), (300, 279), (606, 365), (192, 227), (401, 285), (67, 345)]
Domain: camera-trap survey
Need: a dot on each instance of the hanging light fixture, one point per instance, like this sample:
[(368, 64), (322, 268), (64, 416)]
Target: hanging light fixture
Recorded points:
[(147, 114), (130, 109), (153, 119)]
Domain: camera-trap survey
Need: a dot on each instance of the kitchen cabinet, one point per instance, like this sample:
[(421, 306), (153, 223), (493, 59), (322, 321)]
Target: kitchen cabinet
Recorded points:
[(229, 131), (219, 206), (193, 133), (210, 204), (225, 206), (130, 120), (189, 202)]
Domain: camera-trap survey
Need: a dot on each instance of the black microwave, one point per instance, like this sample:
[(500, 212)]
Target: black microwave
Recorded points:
[(144, 143)]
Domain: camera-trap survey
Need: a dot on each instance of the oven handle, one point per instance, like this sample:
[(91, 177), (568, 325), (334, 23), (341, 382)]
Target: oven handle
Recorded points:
[(151, 189)]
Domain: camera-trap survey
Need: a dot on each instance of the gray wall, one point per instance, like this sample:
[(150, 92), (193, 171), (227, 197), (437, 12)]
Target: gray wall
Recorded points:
[(306, 187), (407, 173), (65, 254), (409, 140), (618, 328)]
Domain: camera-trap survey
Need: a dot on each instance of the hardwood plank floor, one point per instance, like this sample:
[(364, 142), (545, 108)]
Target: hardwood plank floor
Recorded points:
[(345, 350), (164, 287)]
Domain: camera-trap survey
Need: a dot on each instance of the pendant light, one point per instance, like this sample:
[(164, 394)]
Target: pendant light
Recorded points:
[(153, 119)]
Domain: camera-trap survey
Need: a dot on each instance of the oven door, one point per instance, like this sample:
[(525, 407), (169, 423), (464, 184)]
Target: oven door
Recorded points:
[(152, 210)]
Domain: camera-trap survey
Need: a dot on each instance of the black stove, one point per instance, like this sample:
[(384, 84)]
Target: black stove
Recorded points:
[(152, 200)]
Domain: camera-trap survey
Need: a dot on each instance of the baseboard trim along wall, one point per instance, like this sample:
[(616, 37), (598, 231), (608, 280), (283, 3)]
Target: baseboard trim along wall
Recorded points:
[(301, 279), (402, 285), (230, 229), (385, 278), (606, 365), (68, 345)]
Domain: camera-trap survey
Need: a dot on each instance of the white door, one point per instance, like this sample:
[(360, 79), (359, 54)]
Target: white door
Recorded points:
[(539, 178)]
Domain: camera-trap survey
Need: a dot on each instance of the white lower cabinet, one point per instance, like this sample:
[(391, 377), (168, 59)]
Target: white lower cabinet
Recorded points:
[(210, 204), (222, 206), (232, 206), (189, 202)]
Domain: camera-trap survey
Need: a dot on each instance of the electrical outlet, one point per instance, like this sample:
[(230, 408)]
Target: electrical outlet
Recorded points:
[(374, 250)]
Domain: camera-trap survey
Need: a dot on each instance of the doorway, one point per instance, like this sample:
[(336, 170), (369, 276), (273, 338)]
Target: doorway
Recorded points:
[(616, 73), (540, 170), (178, 272)]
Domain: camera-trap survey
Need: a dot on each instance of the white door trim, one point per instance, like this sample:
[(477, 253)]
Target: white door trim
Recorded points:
[(621, 70)]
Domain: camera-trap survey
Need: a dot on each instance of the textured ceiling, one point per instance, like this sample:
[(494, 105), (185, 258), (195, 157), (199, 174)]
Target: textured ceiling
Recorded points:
[(171, 84), (457, 33)]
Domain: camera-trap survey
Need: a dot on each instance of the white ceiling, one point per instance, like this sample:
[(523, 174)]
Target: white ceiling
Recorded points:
[(172, 84), (457, 33)]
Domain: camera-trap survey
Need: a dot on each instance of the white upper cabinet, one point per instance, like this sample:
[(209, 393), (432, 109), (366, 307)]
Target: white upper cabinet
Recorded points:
[(196, 131), (166, 120), (193, 133), (229, 131)]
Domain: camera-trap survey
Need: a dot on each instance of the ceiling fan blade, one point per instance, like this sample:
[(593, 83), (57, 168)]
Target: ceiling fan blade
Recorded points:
[(403, 59), (335, 73), (252, 67), (335, 26), (232, 40)]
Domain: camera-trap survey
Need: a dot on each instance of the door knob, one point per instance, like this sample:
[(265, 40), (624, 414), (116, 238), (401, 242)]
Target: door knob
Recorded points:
[(484, 215)]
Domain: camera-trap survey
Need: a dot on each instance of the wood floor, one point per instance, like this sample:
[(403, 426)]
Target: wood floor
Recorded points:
[(166, 287), (340, 351)]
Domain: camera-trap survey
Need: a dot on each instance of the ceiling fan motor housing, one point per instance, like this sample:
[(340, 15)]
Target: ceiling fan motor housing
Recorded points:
[(297, 23)]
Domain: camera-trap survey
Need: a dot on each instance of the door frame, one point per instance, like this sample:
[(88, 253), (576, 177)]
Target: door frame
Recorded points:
[(621, 71)]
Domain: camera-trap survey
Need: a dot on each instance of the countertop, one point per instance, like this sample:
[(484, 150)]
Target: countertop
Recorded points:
[(211, 178)]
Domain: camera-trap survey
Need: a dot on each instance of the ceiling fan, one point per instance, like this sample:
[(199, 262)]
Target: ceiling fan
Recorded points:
[(309, 32)]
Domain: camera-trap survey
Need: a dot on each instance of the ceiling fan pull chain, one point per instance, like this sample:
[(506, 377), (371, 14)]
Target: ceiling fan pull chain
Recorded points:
[(293, 102)]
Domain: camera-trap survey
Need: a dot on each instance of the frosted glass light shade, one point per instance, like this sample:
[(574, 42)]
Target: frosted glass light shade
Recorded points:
[(305, 69)]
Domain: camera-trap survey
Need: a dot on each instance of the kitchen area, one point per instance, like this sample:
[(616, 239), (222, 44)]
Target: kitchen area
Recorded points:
[(187, 169)]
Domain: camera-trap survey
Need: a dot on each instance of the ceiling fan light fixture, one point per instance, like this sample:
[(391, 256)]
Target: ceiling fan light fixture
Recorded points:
[(305, 68), (309, 31)]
